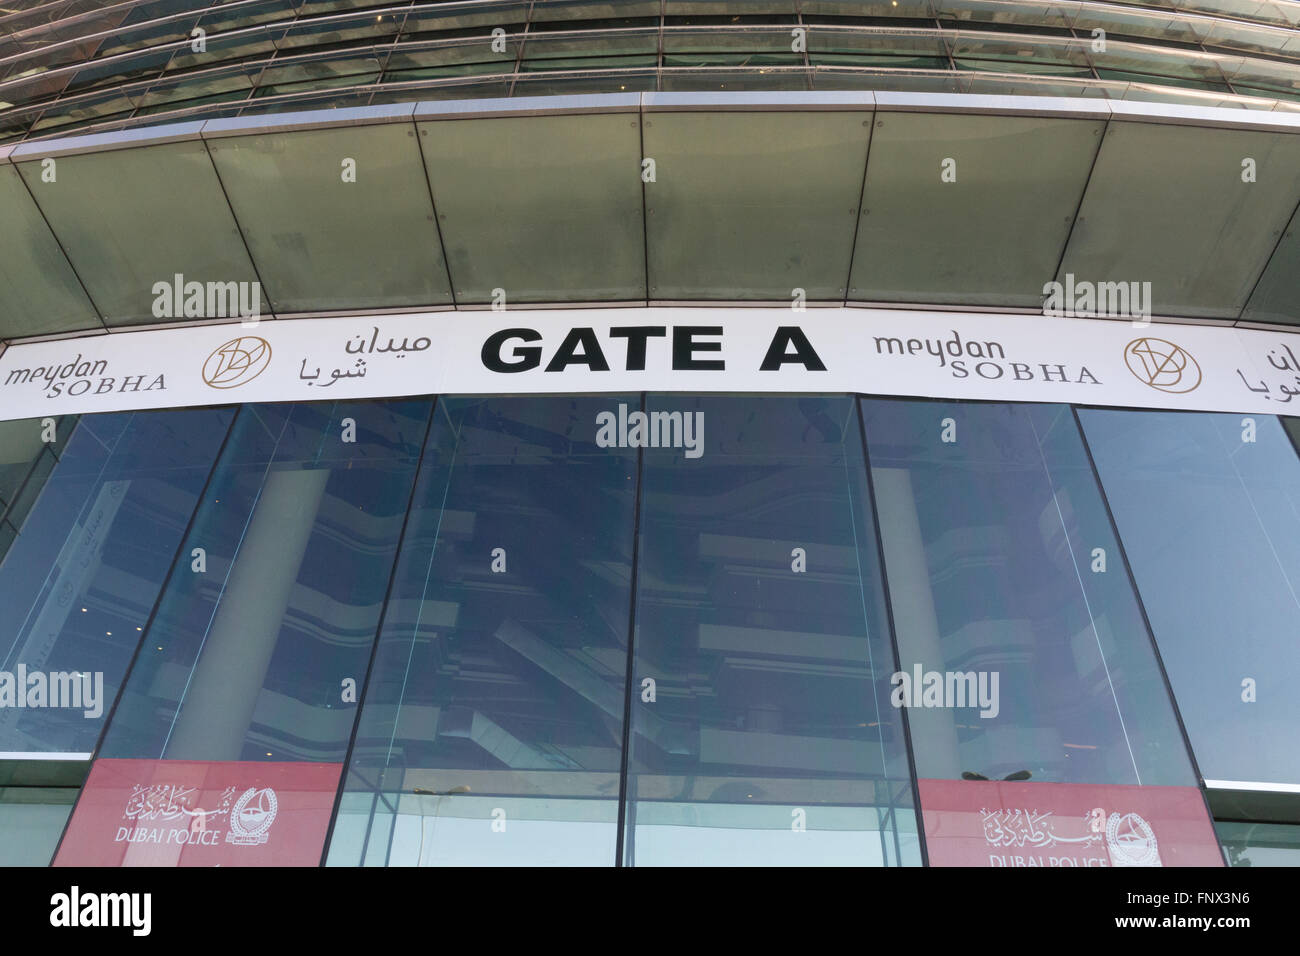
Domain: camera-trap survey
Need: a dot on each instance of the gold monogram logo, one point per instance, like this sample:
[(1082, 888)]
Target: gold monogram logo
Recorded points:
[(1162, 365), (238, 361)]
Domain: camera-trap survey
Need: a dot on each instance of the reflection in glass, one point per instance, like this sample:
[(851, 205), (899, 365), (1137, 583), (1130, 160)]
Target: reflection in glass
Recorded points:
[(994, 536), (31, 822), (1259, 844), (256, 633), (492, 726), (1208, 507), (767, 737), (100, 530)]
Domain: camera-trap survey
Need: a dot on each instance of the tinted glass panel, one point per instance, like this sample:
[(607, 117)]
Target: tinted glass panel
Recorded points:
[(768, 738), (31, 822), (1260, 844), (994, 532), (1208, 507), (255, 636), (492, 726), (78, 583)]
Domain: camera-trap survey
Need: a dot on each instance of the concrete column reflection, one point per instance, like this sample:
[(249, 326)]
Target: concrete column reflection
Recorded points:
[(934, 731), (228, 676)]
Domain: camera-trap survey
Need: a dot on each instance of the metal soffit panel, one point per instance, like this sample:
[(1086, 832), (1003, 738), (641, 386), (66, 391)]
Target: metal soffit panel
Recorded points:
[(1176, 206), (544, 208), (969, 209), (336, 217), (751, 195)]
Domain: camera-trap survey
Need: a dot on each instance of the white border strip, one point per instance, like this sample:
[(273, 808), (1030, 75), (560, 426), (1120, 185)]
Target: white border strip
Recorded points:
[(1253, 786)]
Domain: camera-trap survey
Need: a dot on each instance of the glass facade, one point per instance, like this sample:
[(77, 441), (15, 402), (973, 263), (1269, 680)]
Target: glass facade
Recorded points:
[(147, 62), (1209, 507), (505, 631)]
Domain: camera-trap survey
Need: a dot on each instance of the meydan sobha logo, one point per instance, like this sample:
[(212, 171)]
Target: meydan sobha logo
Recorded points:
[(238, 361), (1162, 365)]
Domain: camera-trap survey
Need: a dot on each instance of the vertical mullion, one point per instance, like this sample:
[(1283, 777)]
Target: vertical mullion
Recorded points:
[(631, 656), (893, 640), (374, 646)]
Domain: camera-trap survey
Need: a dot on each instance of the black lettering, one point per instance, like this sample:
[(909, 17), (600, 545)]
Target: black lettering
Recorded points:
[(684, 344), (636, 336), (804, 353), (529, 358), (567, 354)]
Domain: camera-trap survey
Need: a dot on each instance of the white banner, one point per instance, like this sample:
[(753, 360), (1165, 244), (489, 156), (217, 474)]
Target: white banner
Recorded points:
[(1026, 358)]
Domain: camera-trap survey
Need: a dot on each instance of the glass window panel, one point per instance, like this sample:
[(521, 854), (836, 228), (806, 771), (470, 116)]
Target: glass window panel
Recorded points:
[(320, 83), (977, 46), (245, 660), (735, 80), (1006, 11), (91, 106), (500, 679), (585, 83), (544, 46), (1153, 60), (238, 81), (150, 34), (374, 28), (26, 461), (740, 59), (356, 68), (1020, 66), (207, 107), (1033, 86), (238, 15), (418, 55), (457, 90), (761, 619), (145, 64), (1211, 524), (1160, 80), (442, 72), (727, 39), (21, 448), (722, 11), (220, 47), (309, 236), (1120, 22), (989, 543), (900, 61), (81, 579), (304, 100), (592, 63), (1262, 74), (863, 44), (1259, 844), (465, 18), (917, 82), (37, 86), (31, 822), (595, 11)]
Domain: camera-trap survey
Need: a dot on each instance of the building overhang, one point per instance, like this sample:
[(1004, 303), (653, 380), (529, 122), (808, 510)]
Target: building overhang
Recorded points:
[(902, 200)]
